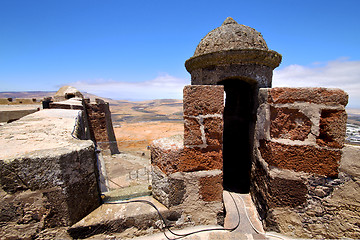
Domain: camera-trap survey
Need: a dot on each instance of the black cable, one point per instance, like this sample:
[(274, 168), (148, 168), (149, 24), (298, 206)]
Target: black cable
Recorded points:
[(186, 234), (212, 229)]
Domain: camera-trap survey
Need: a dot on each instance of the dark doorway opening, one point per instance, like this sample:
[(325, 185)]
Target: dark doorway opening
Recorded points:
[(69, 95), (239, 124)]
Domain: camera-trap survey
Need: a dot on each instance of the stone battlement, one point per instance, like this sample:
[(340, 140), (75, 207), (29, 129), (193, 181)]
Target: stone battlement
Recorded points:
[(18, 101)]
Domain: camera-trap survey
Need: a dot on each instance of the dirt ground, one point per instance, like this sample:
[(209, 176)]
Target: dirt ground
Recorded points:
[(137, 136)]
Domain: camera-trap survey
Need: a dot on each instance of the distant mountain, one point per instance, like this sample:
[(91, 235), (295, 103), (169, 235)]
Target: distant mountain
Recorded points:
[(30, 94), (123, 111)]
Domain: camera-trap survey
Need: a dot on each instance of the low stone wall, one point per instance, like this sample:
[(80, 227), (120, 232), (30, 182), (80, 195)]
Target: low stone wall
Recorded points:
[(10, 113), (48, 175), (98, 120), (19, 101), (298, 184), (187, 172)]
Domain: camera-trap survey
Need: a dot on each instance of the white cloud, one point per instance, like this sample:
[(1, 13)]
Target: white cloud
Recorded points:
[(163, 86), (343, 74)]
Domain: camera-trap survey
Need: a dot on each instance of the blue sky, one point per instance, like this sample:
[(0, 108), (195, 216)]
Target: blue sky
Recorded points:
[(136, 49)]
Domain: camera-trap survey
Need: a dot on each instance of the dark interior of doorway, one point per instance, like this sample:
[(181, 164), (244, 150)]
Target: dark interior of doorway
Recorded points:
[(239, 123)]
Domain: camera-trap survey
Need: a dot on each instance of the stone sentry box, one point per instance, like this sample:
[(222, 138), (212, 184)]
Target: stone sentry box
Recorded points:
[(281, 145), (237, 57)]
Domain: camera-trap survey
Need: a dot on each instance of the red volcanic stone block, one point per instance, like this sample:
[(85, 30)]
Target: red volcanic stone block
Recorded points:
[(310, 95), (289, 123), (213, 128), (211, 188), (192, 132), (301, 158), (203, 99), (332, 128), (166, 153), (197, 159)]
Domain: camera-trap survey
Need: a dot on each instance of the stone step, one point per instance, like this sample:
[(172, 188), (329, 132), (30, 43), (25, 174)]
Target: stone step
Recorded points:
[(126, 193), (247, 213), (128, 217)]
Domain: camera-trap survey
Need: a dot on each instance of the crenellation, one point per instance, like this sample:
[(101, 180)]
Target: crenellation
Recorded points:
[(327, 96)]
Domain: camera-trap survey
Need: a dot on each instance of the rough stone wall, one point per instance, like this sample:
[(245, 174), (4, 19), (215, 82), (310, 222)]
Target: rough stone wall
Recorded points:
[(48, 176), (9, 115), (216, 73), (100, 125), (297, 181), (14, 109), (187, 172)]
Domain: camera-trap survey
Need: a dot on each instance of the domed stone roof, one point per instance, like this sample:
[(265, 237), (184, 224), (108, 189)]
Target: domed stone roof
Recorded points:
[(231, 36), (67, 92), (232, 44)]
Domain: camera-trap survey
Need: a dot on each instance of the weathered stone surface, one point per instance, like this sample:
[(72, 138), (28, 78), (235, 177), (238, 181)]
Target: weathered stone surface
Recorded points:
[(166, 153), (198, 159), (212, 75), (211, 188), (231, 36), (119, 217), (287, 192), (289, 124), (100, 125), (343, 208), (192, 131), (285, 221), (213, 128), (350, 163), (193, 208), (167, 189), (44, 154), (332, 128), (312, 95), (329, 210), (203, 100), (301, 158), (23, 215), (332, 214)]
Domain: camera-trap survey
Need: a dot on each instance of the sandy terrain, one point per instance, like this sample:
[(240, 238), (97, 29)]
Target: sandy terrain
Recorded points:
[(137, 136)]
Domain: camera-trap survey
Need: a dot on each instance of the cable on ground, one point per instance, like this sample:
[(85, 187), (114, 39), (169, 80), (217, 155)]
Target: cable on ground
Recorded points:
[(179, 236)]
